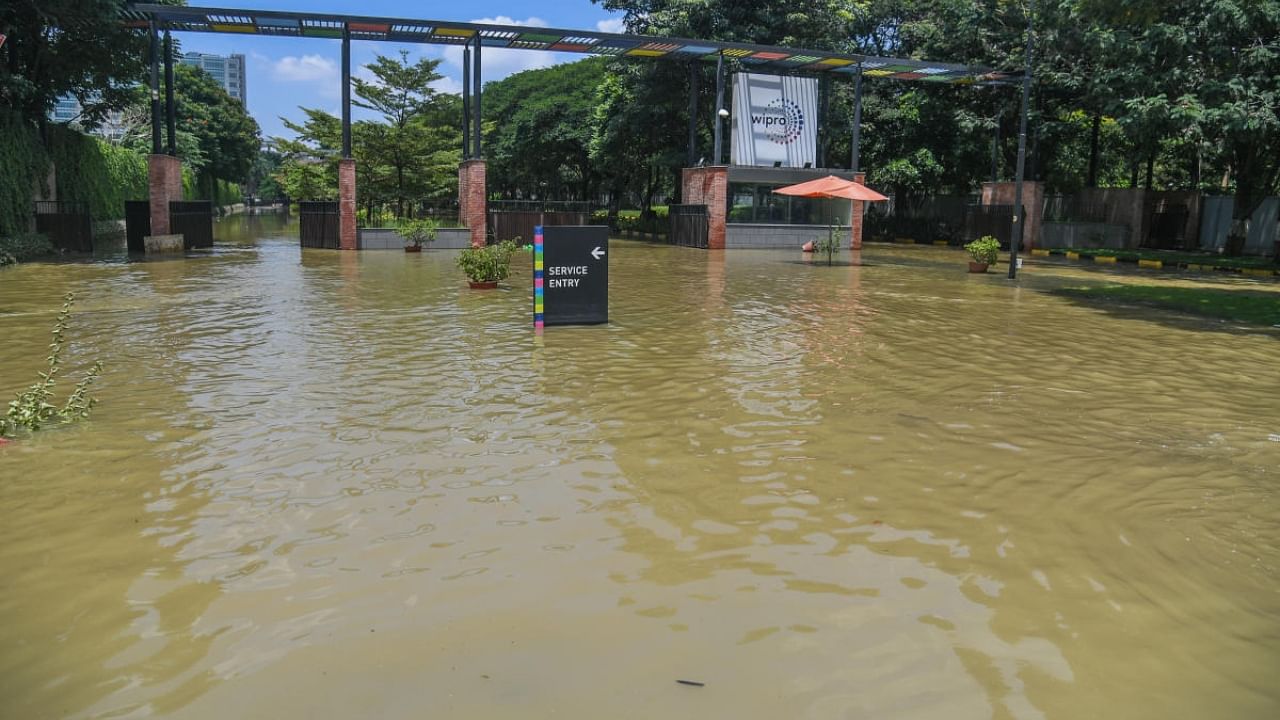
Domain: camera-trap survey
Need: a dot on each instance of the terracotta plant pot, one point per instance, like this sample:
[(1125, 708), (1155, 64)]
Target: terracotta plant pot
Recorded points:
[(977, 267), (486, 285), (413, 248)]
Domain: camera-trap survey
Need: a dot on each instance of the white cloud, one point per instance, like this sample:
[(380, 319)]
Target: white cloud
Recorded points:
[(497, 63), (612, 25), (308, 68), (448, 86)]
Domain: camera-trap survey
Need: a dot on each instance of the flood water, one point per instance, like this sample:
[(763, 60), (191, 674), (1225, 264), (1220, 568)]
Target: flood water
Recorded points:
[(341, 485)]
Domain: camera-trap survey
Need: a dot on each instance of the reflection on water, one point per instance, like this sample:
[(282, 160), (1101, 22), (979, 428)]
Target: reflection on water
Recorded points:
[(341, 485)]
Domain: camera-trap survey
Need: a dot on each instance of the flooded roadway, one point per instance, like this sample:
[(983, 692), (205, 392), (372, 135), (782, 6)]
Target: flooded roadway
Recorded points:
[(339, 485)]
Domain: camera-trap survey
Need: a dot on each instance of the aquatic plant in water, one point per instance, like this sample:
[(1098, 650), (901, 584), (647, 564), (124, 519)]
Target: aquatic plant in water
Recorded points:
[(831, 245), (32, 409)]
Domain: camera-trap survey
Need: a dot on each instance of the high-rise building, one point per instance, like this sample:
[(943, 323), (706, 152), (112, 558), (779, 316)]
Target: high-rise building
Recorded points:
[(67, 110), (228, 71)]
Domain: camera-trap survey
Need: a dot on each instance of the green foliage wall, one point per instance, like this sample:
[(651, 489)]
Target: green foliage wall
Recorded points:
[(91, 170), (25, 163)]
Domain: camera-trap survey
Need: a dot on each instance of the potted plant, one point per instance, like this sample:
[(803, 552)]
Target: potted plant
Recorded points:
[(488, 264), (416, 232), (983, 252)]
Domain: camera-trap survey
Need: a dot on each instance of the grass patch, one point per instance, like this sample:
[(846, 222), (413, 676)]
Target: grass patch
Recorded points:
[(1240, 306), (1172, 258)]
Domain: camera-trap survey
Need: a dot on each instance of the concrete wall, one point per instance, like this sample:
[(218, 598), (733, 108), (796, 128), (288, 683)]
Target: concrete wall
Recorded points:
[(1262, 228), (388, 239), (761, 236), (1083, 235)]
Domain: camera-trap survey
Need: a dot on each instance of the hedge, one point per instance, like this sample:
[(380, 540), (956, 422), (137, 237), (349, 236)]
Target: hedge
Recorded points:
[(88, 169), (25, 164)]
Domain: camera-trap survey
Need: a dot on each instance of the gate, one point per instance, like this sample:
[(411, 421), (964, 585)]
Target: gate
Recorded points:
[(137, 224), (194, 220), (318, 224), (994, 220), (511, 219), (66, 223), (1167, 230), (688, 226)]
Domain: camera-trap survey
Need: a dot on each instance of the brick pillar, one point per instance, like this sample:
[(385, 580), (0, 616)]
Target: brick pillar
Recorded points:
[(164, 180), (855, 217), (347, 233), (709, 186), (472, 209)]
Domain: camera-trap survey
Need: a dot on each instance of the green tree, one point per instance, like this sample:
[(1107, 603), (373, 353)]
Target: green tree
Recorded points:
[(406, 155), (308, 168), (227, 136), (540, 131), (68, 47)]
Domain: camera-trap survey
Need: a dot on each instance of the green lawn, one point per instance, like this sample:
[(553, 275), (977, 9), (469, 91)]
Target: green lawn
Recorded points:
[(1254, 308)]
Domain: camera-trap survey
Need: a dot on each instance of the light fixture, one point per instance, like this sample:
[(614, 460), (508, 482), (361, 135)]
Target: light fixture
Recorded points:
[(724, 113)]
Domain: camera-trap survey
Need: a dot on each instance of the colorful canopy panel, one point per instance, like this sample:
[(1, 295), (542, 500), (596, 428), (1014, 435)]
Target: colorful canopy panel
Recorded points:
[(754, 57)]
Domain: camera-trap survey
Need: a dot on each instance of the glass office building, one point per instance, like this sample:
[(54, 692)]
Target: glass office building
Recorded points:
[(228, 71)]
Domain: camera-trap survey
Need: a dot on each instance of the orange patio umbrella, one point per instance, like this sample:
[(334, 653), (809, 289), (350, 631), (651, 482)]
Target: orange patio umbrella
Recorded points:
[(831, 187), (834, 187)]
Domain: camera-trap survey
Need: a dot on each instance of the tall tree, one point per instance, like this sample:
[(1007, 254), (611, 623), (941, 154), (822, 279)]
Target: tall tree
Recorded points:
[(407, 154), (68, 47)]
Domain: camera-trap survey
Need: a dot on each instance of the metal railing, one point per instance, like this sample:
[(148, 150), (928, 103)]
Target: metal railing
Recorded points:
[(194, 220), (66, 223), (318, 224), (689, 226)]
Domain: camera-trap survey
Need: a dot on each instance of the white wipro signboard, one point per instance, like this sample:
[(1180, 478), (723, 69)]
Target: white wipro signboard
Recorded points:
[(775, 120)]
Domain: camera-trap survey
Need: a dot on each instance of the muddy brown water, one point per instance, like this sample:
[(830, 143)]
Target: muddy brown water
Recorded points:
[(338, 485)]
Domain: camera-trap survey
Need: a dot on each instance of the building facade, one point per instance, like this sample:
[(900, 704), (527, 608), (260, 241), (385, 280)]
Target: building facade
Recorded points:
[(228, 71)]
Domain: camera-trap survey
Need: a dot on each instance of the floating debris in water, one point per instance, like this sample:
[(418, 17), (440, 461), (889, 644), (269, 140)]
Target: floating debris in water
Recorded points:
[(693, 683)]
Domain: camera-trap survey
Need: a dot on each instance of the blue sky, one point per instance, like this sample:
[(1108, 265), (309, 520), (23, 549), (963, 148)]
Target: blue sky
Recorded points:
[(284, 73)]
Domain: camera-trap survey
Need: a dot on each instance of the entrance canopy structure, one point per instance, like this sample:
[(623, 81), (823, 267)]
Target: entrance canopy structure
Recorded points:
[(475, 37)]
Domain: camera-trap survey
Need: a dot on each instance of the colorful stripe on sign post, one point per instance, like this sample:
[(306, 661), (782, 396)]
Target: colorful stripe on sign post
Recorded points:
[(537, 279)]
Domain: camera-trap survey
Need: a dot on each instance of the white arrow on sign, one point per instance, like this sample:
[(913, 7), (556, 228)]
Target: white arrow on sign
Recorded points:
[(597, 252)]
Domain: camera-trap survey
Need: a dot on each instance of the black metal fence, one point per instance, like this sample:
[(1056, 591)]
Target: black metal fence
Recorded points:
[(66, 223), (318, 224), (137, 224), (1168, 229), (516, 219), (688, 226), (1073, 208), (444, 213), (194, 220), (994, 220)]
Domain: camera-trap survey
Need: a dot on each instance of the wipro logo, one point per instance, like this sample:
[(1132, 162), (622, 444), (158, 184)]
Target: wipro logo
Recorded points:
[(782, 120)]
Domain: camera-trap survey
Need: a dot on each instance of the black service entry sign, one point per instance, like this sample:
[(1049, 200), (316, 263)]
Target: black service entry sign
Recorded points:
[(575, 274)]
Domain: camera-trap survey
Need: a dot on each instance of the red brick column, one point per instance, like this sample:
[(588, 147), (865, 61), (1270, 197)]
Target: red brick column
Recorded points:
[(709, 186), (855, 217), (472, 194), (347, 232), (164, 178)]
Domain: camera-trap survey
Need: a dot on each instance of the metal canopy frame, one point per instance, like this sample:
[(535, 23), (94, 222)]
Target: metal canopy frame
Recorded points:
[(472, 37), (768, 58)]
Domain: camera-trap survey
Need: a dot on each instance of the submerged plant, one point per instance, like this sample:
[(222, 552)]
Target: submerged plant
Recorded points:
[(32, 409), (831, 245)]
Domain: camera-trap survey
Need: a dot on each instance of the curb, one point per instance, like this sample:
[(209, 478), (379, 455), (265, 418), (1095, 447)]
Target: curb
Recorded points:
[(1150, 264)]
